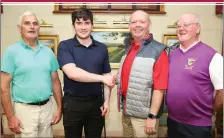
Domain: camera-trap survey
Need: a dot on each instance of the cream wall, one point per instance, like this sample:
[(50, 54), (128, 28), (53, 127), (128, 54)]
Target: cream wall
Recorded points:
[(211, 34)]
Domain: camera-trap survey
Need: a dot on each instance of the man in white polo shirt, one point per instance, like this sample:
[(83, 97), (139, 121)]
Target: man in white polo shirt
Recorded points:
[(195, 71)]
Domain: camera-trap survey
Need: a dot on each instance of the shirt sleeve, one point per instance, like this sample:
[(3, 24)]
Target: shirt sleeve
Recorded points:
[(160, 72), (216, 71), (8, 62), (54, 62), (64, 56), (106, 65)]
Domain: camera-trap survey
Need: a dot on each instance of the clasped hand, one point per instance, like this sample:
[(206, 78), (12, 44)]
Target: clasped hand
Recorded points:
[(109, 80)]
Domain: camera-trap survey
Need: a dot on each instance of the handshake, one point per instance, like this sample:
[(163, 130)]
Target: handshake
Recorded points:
[(109, 80)]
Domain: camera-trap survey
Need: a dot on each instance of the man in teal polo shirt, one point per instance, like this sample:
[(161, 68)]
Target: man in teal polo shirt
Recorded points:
[(32, 69)]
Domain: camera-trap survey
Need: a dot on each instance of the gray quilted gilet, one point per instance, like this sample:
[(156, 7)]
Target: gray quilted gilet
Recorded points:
[(140, 85)]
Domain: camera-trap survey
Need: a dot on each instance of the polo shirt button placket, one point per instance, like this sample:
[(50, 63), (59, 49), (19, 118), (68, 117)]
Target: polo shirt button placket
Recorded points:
[(34, 55)]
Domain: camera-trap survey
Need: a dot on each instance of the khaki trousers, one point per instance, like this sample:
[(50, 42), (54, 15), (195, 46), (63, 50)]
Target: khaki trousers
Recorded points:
[(134, 127), (35, 119)]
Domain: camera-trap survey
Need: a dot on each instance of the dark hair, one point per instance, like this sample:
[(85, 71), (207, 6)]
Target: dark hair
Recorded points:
[(82, 13)]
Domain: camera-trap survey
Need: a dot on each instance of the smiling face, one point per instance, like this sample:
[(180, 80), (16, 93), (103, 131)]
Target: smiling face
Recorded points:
[(83, 28), (29, 27), (139, 25), (188, 29)]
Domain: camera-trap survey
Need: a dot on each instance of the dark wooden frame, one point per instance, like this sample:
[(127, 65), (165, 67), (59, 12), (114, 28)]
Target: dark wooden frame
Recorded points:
[(1, 8), (107, 8), (219, 9)]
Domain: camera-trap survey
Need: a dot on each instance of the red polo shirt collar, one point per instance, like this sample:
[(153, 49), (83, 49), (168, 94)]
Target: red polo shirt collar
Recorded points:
[(126, 68)]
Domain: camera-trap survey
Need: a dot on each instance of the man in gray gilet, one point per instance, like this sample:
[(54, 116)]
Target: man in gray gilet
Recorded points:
[(142, 79)]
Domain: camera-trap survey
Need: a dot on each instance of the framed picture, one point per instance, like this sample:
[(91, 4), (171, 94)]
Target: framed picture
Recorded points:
[(114, 8), (1, 8), (113, 38), (51, 41), (219, 9), (170, 39)]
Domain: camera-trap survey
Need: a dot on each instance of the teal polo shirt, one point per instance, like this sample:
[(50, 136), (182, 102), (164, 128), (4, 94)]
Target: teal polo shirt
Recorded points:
[(30, 70)]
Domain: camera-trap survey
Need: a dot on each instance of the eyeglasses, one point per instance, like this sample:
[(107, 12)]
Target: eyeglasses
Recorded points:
[(184, 25)]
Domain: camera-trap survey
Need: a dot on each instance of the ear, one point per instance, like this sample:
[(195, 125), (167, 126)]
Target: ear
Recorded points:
[(150, 26), (92, 27), (198, 29), (19, 28)]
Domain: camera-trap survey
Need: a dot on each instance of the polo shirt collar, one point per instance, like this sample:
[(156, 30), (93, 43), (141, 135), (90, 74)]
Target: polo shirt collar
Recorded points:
[(185, 50), (39, 45), (77, 43), (147, 40)]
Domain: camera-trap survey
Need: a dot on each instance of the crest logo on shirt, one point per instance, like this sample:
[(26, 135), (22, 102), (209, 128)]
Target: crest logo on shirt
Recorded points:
[(190, 63)]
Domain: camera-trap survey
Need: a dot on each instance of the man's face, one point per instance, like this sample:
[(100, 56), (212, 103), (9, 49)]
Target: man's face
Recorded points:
[(139, 25), (187, 28), (83, 28), (29, 27)]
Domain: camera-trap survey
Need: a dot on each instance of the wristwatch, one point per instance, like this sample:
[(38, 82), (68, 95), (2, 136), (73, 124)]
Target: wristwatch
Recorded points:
[(152, 116)]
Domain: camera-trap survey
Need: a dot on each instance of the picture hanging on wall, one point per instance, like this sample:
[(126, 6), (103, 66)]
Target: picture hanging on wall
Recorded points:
[(51, 41), (114, 39), (114, 8)]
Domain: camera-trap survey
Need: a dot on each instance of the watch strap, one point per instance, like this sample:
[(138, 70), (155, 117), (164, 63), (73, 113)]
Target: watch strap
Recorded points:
[(152, 116)]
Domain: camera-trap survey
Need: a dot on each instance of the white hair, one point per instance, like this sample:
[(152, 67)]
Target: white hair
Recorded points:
[(197, 19), (25, 14)]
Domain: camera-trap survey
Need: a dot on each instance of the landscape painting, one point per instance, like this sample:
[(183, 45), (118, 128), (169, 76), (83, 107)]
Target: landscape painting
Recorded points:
[(114, 40)]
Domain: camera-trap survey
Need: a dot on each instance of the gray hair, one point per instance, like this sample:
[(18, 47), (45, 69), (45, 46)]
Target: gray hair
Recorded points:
[(25, 14), (197, 19), (146, 15)]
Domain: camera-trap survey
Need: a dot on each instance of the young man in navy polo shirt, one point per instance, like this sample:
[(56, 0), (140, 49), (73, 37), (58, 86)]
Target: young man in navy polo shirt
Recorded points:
[(85, 64), (195, 71)]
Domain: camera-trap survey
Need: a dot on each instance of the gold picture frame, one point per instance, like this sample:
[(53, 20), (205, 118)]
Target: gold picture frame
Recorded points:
[(170, 39), (51, 41), (113, 38)]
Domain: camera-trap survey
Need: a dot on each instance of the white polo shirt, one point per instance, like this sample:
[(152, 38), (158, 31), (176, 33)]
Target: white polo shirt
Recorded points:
[(215, 68)]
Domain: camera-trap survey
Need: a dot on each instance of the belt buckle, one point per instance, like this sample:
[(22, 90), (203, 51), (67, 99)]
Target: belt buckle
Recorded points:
[(89, 98), (41, 103)]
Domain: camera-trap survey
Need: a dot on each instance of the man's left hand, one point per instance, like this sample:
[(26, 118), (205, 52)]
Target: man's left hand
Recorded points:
[(56, 117), (150, 126)]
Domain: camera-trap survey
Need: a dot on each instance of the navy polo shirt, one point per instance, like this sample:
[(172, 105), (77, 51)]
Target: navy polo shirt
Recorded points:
[(93, 59)]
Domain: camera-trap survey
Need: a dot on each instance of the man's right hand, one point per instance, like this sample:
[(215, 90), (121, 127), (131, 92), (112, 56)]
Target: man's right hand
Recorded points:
[(14, 124), (108, 80), (115, 78)]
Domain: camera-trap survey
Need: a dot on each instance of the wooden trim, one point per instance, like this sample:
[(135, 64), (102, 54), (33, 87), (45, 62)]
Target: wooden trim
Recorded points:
[(113, 12), (159, 10)]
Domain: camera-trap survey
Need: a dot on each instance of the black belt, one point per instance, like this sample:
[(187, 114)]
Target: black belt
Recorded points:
[(39, 103), (85, 98)]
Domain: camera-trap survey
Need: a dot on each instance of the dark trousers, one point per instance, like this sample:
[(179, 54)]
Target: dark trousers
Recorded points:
[(82, 112), (180, 130)]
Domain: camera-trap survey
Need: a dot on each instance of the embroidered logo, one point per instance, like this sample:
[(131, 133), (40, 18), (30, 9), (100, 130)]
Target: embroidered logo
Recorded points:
[(190, 63)]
